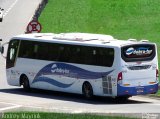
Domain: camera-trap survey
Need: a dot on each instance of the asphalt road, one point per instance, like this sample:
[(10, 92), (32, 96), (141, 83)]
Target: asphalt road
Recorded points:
[(18, 13), (49, 101)]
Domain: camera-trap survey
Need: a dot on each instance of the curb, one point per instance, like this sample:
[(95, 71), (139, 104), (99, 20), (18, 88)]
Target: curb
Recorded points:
[(38, 11)]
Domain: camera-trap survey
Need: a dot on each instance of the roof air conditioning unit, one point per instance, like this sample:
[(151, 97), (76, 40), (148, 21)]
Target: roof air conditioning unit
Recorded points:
[(144, 41), (134, 40)]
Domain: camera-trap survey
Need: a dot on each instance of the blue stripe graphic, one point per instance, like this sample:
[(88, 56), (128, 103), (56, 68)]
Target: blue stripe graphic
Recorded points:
[(66, 70), (53, 82)]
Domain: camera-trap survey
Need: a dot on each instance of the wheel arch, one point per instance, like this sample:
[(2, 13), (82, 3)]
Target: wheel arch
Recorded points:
[(90, 84)]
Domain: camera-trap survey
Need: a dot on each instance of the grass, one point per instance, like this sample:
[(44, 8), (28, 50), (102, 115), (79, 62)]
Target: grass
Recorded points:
[(43, 115), (158, 93), (121, 18)]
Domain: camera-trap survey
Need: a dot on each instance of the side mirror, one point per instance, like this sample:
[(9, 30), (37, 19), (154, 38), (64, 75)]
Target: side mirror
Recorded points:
[(1, 14), (1, 47)]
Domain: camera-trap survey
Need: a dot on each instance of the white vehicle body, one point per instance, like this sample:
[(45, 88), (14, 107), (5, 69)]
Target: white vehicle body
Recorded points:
[(130, 68)]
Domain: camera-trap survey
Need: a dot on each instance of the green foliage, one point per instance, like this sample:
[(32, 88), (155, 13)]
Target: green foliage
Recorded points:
[(121, 18), (43, 115)]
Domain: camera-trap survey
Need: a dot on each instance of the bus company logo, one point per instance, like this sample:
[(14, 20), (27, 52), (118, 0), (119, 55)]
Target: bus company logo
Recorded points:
[(138, 51), (129, 51), (55, 69)]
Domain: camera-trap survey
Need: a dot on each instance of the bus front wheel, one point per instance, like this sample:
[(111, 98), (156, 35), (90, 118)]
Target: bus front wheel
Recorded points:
[(87, 90), (25, 83)]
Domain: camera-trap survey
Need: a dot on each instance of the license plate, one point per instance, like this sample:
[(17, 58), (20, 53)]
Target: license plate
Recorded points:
[(140, 91)]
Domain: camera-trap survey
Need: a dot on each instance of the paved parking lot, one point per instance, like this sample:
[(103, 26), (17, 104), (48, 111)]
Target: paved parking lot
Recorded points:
[(8, 106)]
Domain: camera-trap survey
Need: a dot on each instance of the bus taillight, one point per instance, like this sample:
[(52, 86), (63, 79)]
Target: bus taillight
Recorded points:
[(119, 76), (157, 74)]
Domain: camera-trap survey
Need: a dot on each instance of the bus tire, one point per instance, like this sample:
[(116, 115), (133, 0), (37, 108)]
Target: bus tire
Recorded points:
[(87, 90), (25, 83)]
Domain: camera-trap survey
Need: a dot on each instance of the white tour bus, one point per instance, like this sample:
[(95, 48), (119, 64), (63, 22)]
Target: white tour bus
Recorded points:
[(83, 63)]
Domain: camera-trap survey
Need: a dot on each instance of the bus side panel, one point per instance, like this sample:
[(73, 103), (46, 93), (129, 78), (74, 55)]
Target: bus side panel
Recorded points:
[(12, 77), (62, 76)]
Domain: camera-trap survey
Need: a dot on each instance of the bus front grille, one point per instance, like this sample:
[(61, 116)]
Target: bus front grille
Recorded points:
[(107, 85)]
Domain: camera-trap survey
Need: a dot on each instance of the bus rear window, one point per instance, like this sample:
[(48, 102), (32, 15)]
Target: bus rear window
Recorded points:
[(138, 52)]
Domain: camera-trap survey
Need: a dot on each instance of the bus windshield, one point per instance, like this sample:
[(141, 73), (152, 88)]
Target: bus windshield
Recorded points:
[(138, 52)]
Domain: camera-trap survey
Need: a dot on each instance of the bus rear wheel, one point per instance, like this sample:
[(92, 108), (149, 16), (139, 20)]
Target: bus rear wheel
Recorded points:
[(25, 83), (87, 90)]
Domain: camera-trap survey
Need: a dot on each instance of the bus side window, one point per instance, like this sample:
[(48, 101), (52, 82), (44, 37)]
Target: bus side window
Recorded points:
[(64, 53), (67, 53), (75, 55), (42, 51), (87, 55), (52, 52), (26, 49)]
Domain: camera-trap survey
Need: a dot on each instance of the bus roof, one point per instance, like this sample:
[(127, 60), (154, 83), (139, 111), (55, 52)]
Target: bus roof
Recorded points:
[(78, 38)]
